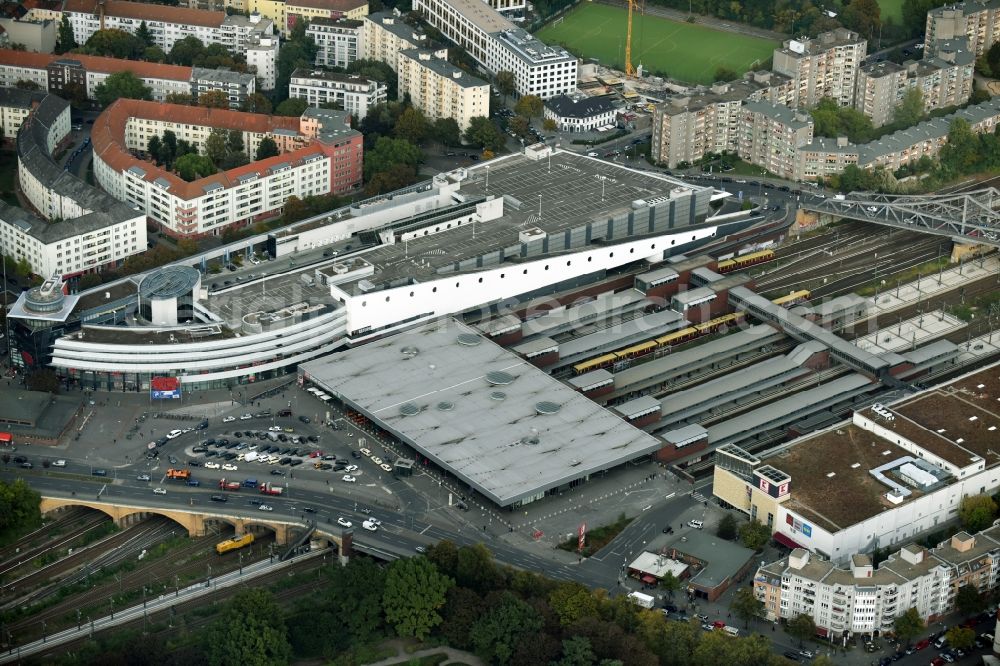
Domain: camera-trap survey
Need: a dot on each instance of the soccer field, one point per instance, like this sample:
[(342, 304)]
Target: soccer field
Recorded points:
[(683, 51)]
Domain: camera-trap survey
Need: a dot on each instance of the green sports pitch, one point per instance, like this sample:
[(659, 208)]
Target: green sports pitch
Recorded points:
[(683, 51)]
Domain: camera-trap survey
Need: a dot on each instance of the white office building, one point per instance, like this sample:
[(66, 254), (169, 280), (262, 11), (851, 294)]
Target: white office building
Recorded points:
[(440, 89), (355, 94), (339, 41), (262, 58)]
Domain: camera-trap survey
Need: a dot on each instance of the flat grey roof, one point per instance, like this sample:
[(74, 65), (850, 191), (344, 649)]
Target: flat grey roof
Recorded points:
[(696, 295), (443, 68), (592, 378), (536, 346), (500, 445), (936, 349), (723, 559), (787, 407), (637, 407), (583, 312), (651, 325)]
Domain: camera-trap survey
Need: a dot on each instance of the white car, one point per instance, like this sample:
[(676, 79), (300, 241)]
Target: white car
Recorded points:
[(369, 525), (375, 521), (212, 465), (143, 477), (348, 478), (365, 452), (174, 434), (228, 419), (159, 491), (265, 507), (343, 522), (230, 467), (696, 524), (351, 468), (386, 467), (591, 154), (246, 417), (276, 429), (872, 209), (376, 460)]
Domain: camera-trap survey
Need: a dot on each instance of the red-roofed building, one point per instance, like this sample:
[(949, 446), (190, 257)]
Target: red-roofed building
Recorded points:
[(320, 155), (167, 24)]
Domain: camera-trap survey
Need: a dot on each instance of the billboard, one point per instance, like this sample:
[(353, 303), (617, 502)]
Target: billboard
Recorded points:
[(582, 538), (164, 388)]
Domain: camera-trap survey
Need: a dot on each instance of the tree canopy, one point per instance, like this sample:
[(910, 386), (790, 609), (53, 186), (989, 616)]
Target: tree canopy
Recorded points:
[(114, 44), (267, 148), (483, 132), (908, 625), (833, 120), (18, 506), (413, 597), (977, 512), (121, 84), (250, 632), (192, 166), (65, 40)]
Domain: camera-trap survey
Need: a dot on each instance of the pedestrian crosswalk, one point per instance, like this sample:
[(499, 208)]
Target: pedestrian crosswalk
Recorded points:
[(698, 497)]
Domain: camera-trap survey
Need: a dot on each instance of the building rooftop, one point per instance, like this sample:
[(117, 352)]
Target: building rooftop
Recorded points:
[(20, 99), (340, 22), (571, 192), (141, 11), (443, 68), (397, 26), (824, 42), (481, 15), (339, 77), (150, 70), (851, 494), (334, 6), (721, 559), (221, 75), (498, 423), (876, 70), (584, 107), (783, 114)]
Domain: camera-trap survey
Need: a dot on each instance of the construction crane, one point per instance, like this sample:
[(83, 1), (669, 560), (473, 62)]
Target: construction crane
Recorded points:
[(629, 69)]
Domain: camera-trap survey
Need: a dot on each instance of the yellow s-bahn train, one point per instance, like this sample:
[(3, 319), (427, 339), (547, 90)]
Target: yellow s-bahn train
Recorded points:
[(649, 346), (234, 544), (793, 298), (744, 261)]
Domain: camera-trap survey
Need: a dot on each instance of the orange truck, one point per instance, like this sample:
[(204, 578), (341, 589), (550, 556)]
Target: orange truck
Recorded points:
[(179, 474)]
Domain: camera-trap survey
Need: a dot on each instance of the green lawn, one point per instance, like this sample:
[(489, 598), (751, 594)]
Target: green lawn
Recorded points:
[(893, 8), (684, 51)]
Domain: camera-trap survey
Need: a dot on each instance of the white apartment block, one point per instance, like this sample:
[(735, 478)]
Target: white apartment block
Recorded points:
[(770, 135), (262, 58), (498, 45), (440, 89), (15, 105), (862, 599), (236, 85), (352, 92), (976, 20), (167, 24), (340, 41), (823, 67), (881, 86), (386, 34)]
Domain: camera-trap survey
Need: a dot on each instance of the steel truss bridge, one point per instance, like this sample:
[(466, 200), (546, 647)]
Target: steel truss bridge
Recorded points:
[(974, 215)]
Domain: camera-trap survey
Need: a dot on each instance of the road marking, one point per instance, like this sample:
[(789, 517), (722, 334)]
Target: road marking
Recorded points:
[(670, 495)]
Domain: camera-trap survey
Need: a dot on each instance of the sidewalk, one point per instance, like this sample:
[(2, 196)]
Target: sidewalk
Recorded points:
[(404, 657)]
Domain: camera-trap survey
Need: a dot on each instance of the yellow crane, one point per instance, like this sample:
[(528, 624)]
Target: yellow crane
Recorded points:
[(629, 69)]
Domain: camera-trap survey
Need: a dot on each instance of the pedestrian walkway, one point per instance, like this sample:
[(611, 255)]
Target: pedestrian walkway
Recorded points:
[(926, 287), (403, 657)]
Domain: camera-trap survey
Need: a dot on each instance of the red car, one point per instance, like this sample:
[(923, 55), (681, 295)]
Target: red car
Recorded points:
[(937, 661), (921, 645)]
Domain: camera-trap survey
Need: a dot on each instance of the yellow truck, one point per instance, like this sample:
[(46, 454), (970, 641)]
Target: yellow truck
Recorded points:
[(233, 544)]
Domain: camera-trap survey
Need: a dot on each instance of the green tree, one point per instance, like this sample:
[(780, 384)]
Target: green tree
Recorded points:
[(168, 148), (754, 534), (519, 125), (234, 141), (746, 605), (727, 527), (144, 34), (475, 569), (293, 107), (216, 147), (908, 625), (180, 98), (376, 70), (446, 131), (394, 177), (992, 58), (911, 109), (388, 152), (250, 632), (412, 126), (577, 651), (184, 51), (801, 627), (213, 99), (267, 148), (550, 125), (121, 84), (193, 166), (960, 638), (977, 512), (44, 380), (571, 602), (915, 15), (497, 634), (154, 147), (504, 84), (114, 44), (670, 584), (529, 106), (354, 595), (256, 103), (968, 600), (154, 54), (461, 611), (66, 40), (19, 506), (863, 16), (414, 594), (725, 74), (482, 132), (24, 84)]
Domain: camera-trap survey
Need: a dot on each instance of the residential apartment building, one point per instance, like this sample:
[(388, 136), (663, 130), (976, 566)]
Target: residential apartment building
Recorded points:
[(15, 105), (862, 599), (498, 45), (317, 158), (826, 66), (386, 34), (285, 14), (686, 127), (236, 85), (976, 20), (34, 35), (62, 74), (353, 93), (580, 114), (440, 89), (769, 136), (262, 58), (339, 41), (825, 157), (167, 24), (881, 86)]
